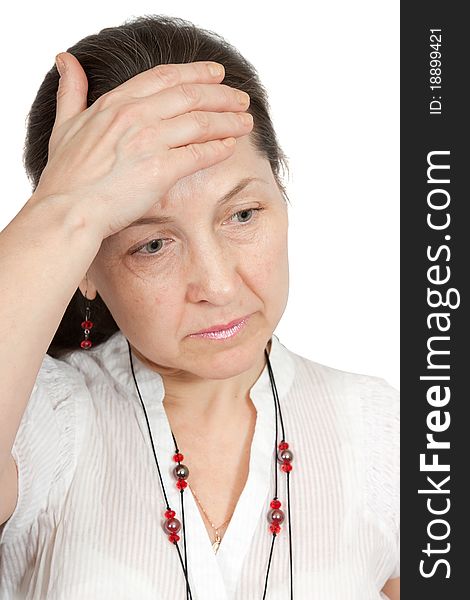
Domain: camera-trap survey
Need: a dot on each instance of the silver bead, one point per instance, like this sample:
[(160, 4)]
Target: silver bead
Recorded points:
[(181, 471), (285, 456), (276, 515)]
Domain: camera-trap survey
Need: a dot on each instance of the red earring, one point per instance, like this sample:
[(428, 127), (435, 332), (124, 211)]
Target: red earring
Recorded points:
[(86, 326)]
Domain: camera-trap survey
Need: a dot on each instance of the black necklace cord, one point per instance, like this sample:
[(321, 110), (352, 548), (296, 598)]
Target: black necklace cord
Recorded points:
[(184, 565), (148, 426), (188, 589), (275, 467), (273, 384), (277, 407), (269, 566), (276, 403), (290, 539)]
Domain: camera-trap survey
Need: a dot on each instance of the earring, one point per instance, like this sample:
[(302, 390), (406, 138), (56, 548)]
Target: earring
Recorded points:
[(86, 326)]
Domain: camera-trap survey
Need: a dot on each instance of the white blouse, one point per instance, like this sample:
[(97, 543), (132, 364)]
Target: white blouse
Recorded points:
[(88, 522)]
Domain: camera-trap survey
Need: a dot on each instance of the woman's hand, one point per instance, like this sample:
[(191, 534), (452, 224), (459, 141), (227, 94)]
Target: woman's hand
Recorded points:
[(119, 157)]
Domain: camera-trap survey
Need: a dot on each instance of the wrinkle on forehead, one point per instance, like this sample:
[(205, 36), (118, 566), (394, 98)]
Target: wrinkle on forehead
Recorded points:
[(189, 186), (211, 179)]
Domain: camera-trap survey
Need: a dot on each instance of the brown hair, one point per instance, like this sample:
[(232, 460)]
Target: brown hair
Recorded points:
[(111, 57)]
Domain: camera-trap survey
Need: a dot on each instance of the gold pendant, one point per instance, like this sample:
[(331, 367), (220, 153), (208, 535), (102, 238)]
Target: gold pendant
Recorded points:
[(216, 544)]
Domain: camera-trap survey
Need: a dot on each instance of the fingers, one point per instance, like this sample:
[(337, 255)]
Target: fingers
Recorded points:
[(221, 113), (202, 126), (172, 116), (193, 157), (193, 96), (162, 77), (72, 90)]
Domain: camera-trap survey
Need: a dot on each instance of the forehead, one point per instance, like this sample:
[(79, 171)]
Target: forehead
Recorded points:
[(215, 180)]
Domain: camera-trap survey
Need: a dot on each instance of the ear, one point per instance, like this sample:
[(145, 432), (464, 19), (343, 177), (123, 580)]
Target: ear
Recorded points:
[(87, 286)]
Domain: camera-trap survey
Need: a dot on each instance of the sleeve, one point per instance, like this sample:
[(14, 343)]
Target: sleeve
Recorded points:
[(45, 447), (381, 413)]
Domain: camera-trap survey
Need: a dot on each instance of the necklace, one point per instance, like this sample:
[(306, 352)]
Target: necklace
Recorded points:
[(218, 539), (275, 515)]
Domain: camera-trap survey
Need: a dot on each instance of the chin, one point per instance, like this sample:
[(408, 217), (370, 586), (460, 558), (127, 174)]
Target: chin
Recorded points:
[(222, 361)]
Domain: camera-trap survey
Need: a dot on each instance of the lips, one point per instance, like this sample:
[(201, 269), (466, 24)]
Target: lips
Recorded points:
[(222, 326)]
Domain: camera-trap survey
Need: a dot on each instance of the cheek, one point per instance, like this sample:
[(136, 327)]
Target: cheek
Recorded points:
[(266, 264), (136, 296)]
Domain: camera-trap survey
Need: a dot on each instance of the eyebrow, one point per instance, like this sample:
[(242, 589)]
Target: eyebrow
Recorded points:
[(241, 185)]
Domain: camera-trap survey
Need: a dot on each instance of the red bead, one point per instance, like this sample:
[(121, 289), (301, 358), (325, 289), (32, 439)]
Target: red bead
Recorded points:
[(85, 344), (174, 537), (178, 457), (286, 467), (181, 484), (283, 446), (275, 528), (169, 514), (87, 324), (275, 504)]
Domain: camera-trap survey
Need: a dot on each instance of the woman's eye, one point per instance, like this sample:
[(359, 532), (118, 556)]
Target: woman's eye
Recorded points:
[(150, 246), (244, 212)]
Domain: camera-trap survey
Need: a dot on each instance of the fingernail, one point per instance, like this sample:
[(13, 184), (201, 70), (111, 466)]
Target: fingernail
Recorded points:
[(215, 70), (60, 65), (229, 141), (243, 97)]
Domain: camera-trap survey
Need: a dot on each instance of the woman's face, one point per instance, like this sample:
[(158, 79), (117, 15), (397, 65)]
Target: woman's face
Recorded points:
[(212, 263)]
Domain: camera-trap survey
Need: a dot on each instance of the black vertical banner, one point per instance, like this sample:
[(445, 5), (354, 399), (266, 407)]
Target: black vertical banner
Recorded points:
[(435, 269)]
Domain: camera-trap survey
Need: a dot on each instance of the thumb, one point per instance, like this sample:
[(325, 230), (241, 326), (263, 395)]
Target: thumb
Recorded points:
[(73, 88)]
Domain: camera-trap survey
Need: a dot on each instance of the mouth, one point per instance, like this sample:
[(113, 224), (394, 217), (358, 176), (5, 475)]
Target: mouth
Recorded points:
[(222, 331)]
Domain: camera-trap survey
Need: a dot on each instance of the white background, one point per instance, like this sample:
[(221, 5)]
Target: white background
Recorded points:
[(332, 74)]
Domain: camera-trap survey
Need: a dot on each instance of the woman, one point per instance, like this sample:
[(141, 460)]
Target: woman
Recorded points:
[(145, 458)]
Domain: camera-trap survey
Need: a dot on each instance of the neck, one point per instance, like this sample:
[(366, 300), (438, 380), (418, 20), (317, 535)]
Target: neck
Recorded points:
[(212, 405)]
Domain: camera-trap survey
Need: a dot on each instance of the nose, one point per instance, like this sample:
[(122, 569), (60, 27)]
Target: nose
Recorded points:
[(212, 272)]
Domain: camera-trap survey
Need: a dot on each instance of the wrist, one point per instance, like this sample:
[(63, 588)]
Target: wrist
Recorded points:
[(65, 212)]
